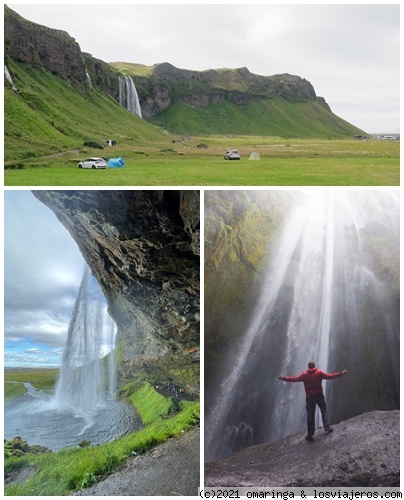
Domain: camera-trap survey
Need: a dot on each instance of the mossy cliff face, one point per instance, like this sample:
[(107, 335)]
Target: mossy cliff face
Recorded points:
[(241, 229), (143, 249)]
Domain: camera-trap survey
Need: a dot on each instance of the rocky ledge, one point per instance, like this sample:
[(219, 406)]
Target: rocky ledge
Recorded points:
[(362, 451)]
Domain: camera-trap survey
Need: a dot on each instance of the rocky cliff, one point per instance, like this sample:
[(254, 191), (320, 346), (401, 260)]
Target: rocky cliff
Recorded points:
[(34, 45), (165, 85), (362, 451), (143, 249), (241, 230), (56, 51)]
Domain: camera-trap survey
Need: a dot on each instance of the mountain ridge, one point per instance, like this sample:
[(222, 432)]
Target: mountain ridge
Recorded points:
[(226, 96)]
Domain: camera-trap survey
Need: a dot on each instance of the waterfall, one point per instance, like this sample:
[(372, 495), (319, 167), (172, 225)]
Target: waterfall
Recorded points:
[(112, 383), (8, 76), (128, 96), (322, 299), (81, 384), (88, 78)]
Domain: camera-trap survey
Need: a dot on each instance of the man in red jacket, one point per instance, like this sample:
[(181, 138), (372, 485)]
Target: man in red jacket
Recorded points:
[(312, 379)]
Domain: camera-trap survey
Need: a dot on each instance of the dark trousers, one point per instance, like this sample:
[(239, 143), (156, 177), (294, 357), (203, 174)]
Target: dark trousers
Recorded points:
[(311, 403)]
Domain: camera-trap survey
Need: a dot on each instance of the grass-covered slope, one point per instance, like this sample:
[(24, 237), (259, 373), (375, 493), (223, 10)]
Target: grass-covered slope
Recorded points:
[(244, 103), (46, 115), (272, 116)]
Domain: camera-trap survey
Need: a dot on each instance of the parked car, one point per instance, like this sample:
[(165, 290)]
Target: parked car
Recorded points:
[(232, 154), (92, 163)]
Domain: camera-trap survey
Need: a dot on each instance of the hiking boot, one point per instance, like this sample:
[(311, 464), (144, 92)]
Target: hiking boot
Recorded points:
[(328, 429), (309, 437)]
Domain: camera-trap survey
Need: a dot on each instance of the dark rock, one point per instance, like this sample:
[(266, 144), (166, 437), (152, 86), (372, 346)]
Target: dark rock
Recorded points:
[(143, 249), (103, 76), (36, 45), (241, 230), (19, 476), (362, 451), (166, 85)]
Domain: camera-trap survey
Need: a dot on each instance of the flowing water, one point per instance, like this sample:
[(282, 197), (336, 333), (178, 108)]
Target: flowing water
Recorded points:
[(326, 297), (88, 79), (81, 384), (8, 76), (128, 96), (82, 407)]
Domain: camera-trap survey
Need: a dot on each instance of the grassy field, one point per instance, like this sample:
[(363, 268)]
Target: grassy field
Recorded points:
[(41, 378), (284, 162)]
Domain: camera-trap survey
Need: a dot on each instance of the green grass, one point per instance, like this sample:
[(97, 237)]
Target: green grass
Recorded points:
[(152, 406), (301, 162), (47, 116), (132, 68), (274, 117), (13, 389), (47, 122), (41, 378)]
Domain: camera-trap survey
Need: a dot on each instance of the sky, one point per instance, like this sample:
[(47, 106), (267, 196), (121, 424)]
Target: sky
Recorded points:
[(349, 53), (43, 268)]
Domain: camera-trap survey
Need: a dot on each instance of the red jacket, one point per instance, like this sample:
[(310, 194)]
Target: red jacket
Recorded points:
[(312, 379)]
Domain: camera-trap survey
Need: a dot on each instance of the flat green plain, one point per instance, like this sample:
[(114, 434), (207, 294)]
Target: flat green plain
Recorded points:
[(179, 162)]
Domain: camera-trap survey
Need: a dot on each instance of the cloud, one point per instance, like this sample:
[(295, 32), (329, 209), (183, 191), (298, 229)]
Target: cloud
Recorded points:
[(42, 272), (32, 358)]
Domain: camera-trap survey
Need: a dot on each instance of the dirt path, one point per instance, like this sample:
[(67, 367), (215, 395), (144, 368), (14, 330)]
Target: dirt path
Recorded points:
[(57, 155), (170, 469)]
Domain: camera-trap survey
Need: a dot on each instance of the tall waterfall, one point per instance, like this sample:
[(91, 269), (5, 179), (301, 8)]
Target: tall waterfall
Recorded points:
[(326, 297), (128, 96), (8, 76), (82, 383)]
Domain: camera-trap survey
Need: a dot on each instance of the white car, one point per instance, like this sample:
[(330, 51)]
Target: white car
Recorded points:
[(92, 163), (232, 154)]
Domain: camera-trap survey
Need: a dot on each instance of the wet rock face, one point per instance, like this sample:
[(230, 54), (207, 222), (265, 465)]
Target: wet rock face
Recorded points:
[(143, 248), (362, 451)]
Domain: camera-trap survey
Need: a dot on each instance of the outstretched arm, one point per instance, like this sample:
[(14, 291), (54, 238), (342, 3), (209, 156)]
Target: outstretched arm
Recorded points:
[(329, 376), (299, 378)]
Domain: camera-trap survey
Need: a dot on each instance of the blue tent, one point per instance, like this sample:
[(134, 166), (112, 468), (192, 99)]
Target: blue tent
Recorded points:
[(115, 163)]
